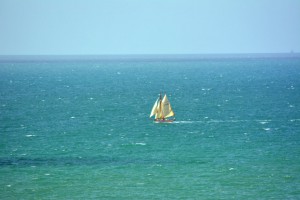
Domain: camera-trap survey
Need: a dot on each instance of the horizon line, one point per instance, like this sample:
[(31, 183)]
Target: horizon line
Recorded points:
[(152, 54), (89, 57)]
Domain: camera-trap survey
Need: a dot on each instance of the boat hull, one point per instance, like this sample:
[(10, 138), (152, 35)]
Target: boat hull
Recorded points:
[(164, 120)]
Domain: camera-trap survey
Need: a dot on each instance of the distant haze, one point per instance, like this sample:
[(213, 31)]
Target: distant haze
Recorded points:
[(114, 27)]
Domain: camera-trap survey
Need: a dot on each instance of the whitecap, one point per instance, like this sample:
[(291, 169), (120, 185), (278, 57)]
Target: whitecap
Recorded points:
[(267, 129), (30, 135), (140, 143), (263, 122)]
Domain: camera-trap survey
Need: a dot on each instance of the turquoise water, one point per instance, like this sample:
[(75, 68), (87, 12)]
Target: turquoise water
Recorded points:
[(80, 130)]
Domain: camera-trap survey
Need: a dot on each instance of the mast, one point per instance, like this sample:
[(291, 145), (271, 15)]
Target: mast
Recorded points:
[(160, 106)]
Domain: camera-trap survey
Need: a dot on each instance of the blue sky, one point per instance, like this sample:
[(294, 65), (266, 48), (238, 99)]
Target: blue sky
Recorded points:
[(68, 27)]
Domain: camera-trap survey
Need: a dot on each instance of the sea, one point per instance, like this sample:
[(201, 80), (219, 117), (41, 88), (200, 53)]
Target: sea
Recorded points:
[(78, 127)]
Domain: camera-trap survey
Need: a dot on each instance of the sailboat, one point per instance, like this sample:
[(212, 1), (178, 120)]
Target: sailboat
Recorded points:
[(162, 110)]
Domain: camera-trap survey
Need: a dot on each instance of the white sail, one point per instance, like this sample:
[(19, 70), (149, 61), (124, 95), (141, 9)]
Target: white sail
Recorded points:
[(166, 108), (158, 114), (154, 109), (162, 108)]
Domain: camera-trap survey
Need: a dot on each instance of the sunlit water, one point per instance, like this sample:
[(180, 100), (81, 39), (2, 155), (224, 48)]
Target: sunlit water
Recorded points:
[(81, 130)]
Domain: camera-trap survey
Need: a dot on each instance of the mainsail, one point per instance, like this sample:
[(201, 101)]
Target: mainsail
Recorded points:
[(166, 108), (162, 109)]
